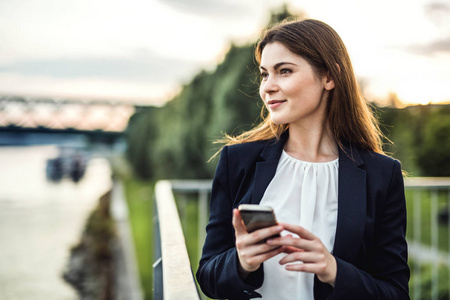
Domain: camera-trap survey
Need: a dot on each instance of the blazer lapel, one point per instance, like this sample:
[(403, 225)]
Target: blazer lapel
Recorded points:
[(351, 194), (351, 205), (265, 169)]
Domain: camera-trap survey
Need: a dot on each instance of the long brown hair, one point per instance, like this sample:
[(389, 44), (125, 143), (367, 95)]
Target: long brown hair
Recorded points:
[(350, 117)]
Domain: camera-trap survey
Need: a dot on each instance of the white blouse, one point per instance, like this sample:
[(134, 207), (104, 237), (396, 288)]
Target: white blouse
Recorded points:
[(305, 194)]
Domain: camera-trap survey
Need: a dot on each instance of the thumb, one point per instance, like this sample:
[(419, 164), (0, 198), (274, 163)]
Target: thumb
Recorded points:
[(238, 223)]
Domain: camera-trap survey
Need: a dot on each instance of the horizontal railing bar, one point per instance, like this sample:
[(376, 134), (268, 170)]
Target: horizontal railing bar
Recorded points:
[(428, 182), (191, 185), (178, 280), (410, 182)]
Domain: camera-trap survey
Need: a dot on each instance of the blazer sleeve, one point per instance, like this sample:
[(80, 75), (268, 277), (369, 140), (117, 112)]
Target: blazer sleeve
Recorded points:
[(217, 274), (388, 276)]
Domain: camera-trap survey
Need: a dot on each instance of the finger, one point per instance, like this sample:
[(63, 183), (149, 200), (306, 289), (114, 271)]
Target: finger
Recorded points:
[(288, 249), (238, 223), (309, 268), (261, 257), (250, 262), (270, 254), (265, 233), (299, 230), (306, 267), (295, 242), (305, 257), (256, 249)]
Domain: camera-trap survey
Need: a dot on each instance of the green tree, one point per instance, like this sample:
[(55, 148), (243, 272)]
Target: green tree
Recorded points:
[(433, 155)]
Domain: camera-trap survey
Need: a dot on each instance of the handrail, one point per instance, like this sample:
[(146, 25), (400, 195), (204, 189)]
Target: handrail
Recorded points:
[(428, 182), (178, 281)]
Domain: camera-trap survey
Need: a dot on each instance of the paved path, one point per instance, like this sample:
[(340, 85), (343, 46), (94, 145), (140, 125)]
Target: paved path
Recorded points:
[(40, 221)]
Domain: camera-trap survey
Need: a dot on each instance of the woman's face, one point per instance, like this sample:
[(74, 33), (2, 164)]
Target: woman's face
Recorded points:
[(290, 89)]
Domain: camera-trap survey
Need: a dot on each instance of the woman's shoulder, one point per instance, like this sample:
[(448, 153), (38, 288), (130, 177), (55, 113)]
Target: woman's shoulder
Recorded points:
[(248, 147), (379, 163), (249, 151), (377, 158)]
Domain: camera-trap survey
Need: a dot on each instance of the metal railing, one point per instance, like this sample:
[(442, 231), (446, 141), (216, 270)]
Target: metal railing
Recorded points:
[(173, 277), (428, 201), (421, 192)]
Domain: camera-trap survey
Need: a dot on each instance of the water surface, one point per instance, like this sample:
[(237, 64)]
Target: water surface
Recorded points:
[(40, 220)]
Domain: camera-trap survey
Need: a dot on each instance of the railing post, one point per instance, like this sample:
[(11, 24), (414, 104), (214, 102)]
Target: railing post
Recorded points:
[(157, 265), (202, 218), (417, 238), (434, 245), (448, 237)]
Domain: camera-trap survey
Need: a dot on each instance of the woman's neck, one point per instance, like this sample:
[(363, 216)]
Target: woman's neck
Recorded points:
[(311, 143)]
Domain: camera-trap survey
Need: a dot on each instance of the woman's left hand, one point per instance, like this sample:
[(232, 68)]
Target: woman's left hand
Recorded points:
[(308, 249)]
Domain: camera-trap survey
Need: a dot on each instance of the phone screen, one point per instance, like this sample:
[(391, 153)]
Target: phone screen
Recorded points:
[(256, 219)]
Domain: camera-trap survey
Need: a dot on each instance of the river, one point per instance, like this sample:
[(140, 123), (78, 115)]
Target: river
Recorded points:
[(40, 221)]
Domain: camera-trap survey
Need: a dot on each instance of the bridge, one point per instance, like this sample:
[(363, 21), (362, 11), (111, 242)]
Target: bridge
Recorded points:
[(60, 114), (97, 119)]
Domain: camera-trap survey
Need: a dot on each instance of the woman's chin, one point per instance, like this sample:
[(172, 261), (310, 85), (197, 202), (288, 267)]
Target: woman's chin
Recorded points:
[(278, 121)]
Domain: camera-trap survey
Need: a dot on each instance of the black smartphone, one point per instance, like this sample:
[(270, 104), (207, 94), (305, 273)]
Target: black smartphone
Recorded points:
[(257, 216)]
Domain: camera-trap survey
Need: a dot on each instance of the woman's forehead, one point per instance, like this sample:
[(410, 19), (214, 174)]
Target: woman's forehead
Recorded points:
[(274, 53)]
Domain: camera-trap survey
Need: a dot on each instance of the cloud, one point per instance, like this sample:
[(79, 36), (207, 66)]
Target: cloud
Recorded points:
[(208, 7), (438, 11), (143, 66), (432, 48)]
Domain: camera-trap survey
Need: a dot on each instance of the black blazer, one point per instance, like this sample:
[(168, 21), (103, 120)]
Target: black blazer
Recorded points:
[(370, 246)]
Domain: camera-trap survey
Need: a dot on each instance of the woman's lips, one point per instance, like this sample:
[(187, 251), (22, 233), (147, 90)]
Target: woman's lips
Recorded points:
[(275, 103)]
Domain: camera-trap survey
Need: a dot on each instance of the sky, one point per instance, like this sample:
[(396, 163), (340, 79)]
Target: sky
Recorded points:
[(143, 51)]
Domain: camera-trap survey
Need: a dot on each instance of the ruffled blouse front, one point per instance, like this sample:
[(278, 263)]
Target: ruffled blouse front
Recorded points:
[(305, 194)]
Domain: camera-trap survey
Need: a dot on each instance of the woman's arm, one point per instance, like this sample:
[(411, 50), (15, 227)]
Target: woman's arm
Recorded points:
[(218, 274), (388, 274)]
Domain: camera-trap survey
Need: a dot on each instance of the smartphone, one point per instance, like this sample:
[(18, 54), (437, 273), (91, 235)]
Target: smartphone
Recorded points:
[(257, 216)]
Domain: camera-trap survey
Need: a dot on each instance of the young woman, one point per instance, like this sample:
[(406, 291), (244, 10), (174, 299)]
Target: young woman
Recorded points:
[(317, 160)]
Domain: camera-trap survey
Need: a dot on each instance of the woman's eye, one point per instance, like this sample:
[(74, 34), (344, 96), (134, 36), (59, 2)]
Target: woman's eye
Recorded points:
[(264, 76), (285, 71)]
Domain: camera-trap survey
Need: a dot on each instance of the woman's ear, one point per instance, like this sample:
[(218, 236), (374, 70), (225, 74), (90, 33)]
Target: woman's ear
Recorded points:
[(329, 82)]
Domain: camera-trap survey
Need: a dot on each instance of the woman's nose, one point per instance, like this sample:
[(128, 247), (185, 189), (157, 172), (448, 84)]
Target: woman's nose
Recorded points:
[(270, 85)]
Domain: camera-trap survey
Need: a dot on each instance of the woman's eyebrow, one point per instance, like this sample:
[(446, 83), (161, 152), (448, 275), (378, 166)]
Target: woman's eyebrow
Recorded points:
[(278, 65)]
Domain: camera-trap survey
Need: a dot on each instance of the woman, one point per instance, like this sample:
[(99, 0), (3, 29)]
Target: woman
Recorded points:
[(317, 160)]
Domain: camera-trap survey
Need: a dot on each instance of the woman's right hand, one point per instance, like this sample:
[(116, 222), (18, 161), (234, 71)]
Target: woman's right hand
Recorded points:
[(251, 249)]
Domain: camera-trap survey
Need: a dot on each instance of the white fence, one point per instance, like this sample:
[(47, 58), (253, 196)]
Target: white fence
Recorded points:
[(428, 202)]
